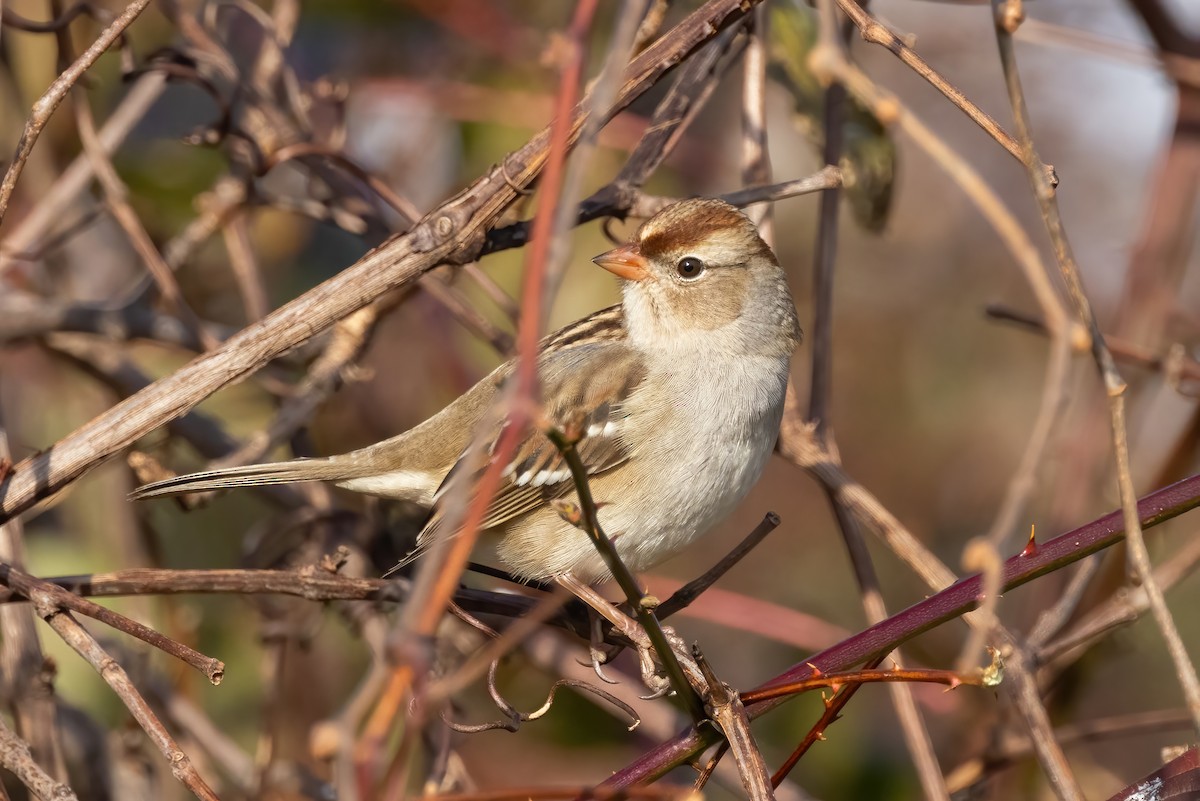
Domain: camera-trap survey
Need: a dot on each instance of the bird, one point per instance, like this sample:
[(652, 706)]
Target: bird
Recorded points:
[(678, 393)]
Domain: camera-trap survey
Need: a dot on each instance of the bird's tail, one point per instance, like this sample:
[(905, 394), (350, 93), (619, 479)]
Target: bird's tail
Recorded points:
[(253, 475)]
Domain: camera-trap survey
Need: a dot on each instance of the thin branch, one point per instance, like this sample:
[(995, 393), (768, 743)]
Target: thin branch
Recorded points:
[(16, 758), (756, 157), (683, 597), (1114, 384), (115, 676), (727, 709), (44, 595), (47, 214), (44, 108), (26, 680), (828, 177), (876, 32)]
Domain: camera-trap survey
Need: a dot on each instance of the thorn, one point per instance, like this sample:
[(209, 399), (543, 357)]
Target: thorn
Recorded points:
[(1031, 547), (816, 671)]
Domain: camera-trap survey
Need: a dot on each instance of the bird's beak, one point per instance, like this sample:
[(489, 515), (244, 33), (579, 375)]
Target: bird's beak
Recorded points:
[(625, 262)]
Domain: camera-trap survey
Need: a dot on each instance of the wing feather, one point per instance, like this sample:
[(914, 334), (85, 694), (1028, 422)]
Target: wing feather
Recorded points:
[(583, 385)]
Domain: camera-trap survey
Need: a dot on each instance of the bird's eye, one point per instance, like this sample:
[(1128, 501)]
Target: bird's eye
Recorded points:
[(689, 267)]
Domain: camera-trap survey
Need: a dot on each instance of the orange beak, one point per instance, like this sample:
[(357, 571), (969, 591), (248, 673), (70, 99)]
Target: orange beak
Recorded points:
[(624, 262)]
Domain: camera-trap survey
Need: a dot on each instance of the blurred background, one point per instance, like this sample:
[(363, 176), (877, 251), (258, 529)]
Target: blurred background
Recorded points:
[(933, 401)]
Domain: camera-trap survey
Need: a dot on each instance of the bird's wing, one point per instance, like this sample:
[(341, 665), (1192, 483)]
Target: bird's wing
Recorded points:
[(583, 387)]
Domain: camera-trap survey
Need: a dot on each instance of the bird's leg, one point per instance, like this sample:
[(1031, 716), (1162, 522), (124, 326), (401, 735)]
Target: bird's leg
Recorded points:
[(651, 672)]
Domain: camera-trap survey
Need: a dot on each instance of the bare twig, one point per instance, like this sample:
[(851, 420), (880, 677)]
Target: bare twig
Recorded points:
[(828, 177), (682, 681), (245, 269), (876, 32), (727, 710), (25, 674), (46, 215), (44, 595), (1114, 384), (16, 758), (689, 592), (44, 108), (114, 675)]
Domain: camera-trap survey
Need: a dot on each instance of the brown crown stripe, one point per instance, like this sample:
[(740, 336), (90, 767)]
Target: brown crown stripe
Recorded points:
[(686, 224)]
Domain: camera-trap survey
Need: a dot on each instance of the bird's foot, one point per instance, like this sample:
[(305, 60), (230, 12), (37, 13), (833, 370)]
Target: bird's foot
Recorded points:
[(654, 676)]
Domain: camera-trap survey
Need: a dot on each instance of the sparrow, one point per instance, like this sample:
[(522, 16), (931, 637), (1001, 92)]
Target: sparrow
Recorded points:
[(678, 393)]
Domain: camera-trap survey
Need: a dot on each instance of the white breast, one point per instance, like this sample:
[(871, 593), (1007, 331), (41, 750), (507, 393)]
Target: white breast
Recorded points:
[(699, 465)]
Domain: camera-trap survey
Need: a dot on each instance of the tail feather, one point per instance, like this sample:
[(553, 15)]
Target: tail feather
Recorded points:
[(253, 475)]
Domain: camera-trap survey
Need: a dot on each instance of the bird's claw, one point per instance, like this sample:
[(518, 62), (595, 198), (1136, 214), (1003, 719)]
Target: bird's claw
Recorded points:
[(598, 658)]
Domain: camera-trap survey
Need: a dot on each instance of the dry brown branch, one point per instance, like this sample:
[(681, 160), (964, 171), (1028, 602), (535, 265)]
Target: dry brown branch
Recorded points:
[(725, 708), (828, 177), (65, 625), (42, 218), (15, 757), (245, 268), (876, 32), (685, 595), (44, 108), (756, 157), (25, 680), (44, 595)]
